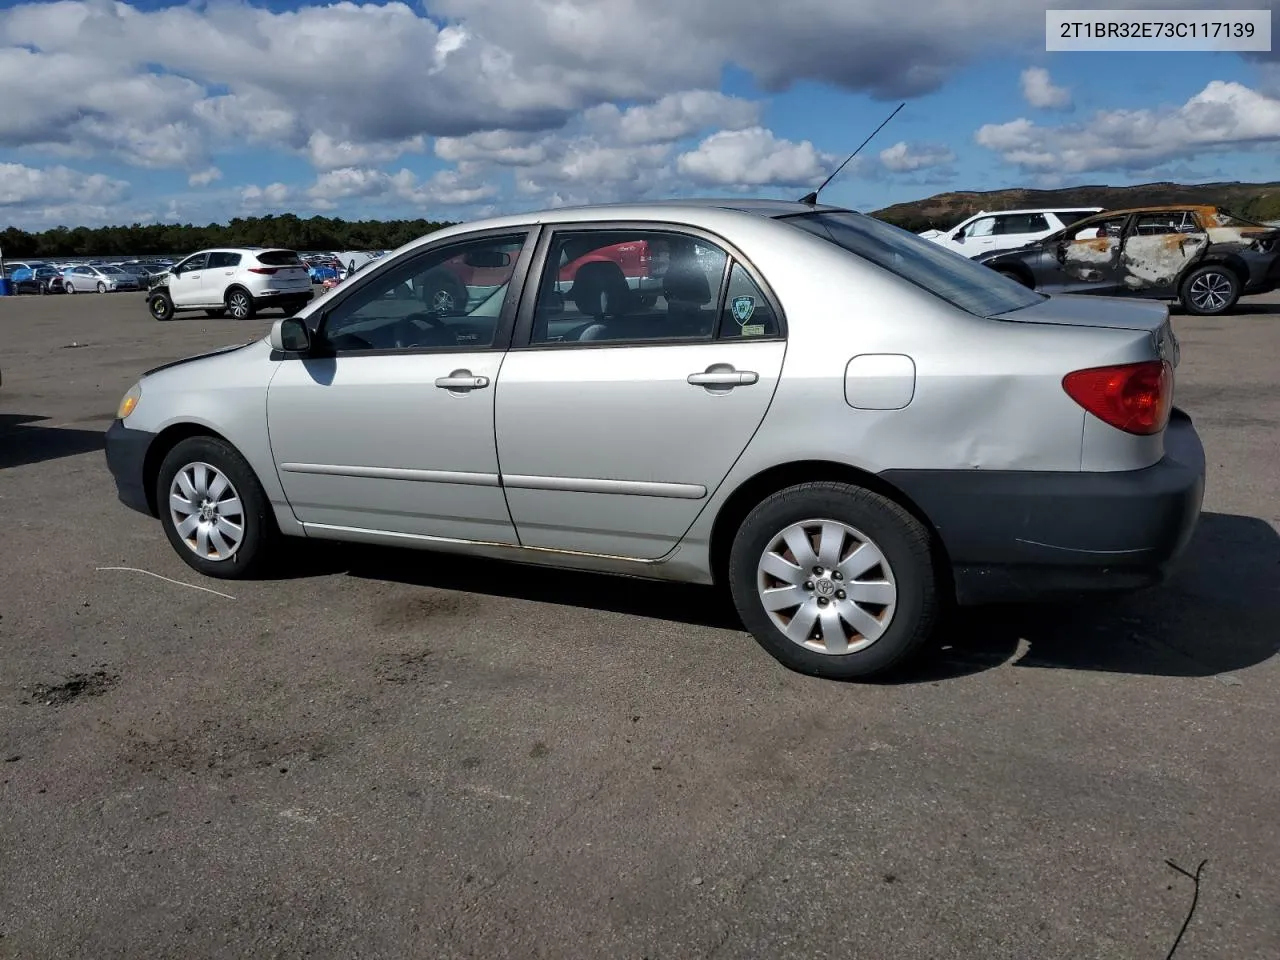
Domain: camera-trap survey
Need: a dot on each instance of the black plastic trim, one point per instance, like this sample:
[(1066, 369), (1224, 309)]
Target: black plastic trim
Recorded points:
[(1022, 534), (126, 452)]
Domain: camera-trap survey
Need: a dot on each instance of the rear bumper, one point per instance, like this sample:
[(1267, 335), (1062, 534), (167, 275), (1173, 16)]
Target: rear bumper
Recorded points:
[(1014, 536), (126, 458)]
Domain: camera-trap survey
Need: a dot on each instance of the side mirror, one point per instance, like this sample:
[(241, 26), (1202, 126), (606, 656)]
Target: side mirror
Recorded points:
[(958, 236), (290, 335)]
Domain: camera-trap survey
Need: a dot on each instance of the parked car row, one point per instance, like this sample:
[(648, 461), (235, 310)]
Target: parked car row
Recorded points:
[(40, 277), (1202, 256)]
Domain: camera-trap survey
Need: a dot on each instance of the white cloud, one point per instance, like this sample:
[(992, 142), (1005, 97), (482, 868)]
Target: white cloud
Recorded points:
[(755, 157), (1224, 115), (22, 186), (327, 153), (1040, 92), (903, 157), (204, 177), (445, 188), (674, 117), (271, 197)]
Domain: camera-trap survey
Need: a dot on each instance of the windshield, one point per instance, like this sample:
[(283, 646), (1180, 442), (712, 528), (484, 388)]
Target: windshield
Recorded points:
[(954, 278), (110, 270)]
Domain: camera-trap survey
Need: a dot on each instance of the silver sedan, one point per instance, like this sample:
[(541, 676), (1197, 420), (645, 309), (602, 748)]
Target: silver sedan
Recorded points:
[(846, 426)]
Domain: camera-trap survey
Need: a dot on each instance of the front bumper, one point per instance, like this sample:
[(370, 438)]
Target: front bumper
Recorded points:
[(1013, 536), (126, 459)]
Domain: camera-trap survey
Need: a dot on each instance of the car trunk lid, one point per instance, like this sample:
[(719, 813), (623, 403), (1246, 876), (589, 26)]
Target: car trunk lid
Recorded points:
[(1068, 310)]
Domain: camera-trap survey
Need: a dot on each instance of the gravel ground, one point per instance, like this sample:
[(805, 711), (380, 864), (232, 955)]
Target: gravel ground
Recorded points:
[(395, 755)]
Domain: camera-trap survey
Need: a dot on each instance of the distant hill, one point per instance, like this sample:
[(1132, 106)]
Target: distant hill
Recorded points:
[(1257, 201)]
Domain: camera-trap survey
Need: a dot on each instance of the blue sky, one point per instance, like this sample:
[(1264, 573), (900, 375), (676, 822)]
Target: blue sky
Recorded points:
[(454, 109)]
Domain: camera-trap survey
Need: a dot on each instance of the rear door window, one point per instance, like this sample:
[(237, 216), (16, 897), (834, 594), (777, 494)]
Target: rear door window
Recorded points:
[(1022, 223), (220, 259)]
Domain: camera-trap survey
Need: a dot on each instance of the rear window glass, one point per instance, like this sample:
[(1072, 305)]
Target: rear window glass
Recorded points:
[(280, 258), (1068, 217), (956, 279)]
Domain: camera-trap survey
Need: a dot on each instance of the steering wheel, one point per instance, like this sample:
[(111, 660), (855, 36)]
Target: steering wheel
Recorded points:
[(406, 330)]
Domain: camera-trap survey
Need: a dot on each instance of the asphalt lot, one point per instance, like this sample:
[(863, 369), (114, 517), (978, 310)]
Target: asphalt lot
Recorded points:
[(395, 755)]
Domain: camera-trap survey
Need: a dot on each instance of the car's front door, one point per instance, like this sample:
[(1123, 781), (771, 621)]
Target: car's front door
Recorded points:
[(1158, 248), (186, 281), (975, 237), (387, 428), (1088, 256), (619, 414)]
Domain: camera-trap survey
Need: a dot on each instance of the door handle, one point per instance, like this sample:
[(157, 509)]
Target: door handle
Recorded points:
[(724, 378), (461, 380)]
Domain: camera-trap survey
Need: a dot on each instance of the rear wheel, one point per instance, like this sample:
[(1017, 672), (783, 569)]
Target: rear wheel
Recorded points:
[(240, 304), (834, 581), (1210, 290), (214, 510)]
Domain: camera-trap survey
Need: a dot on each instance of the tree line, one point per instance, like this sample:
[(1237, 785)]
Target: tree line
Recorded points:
[(158, 239)]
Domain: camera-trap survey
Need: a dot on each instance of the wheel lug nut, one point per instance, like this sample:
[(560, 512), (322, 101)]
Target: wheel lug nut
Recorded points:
[(823, 601), (837, 575), (817, 571), (840, 595), (808, 584)]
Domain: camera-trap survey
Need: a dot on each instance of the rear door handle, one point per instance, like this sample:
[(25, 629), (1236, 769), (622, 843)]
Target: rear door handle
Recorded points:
[(724, 378), (461, 381)]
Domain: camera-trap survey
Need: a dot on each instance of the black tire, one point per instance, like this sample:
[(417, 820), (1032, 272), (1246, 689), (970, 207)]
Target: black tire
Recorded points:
[(1014, 276), (444, 293), (1209, 291), (240, 304), (102, 287), (261, 536), (903, 541), (160, 306), (216, 314)]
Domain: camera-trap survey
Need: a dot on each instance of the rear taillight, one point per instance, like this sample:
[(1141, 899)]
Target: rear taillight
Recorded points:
[(266, 270), (1133, 397)]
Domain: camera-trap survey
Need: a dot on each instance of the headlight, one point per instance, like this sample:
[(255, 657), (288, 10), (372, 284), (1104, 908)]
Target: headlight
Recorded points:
[(130, 401)]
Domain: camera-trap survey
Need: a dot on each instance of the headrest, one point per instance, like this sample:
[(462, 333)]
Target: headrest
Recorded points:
[(600, 289)]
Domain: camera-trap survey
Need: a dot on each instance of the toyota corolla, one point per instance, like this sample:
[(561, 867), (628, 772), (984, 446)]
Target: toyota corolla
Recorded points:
[(842, 424)]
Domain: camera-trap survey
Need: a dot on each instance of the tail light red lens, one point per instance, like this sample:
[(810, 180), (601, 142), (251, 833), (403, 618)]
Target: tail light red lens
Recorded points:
[(266, 270), (1134, 397)]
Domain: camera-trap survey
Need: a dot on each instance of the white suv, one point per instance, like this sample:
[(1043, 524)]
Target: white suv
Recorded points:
[(1006, 230), (236, 281)]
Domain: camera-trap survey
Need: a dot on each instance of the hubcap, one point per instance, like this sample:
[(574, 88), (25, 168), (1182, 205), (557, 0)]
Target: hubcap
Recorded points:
[(206, 511), (442, 302), (827, 587), (1210, 291)]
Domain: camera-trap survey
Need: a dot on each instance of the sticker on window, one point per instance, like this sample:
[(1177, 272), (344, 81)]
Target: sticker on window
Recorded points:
[(753, 330), (743, 308)]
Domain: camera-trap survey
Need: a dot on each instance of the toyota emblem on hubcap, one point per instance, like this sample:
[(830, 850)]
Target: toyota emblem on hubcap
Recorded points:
[(825, 588)]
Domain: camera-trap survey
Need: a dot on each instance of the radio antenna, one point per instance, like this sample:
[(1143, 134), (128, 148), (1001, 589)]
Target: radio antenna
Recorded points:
[(812, 199)]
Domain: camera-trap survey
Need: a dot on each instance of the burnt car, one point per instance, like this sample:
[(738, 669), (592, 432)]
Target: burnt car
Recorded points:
[(1203, 256)]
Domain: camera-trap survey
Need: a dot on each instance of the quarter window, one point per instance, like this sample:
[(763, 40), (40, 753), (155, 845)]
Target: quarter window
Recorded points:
[(627, 286), (746, 313), (450, 298)]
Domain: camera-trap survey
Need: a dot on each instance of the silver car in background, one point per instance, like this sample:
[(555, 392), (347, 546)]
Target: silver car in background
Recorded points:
[(844, 425), (102, 278)]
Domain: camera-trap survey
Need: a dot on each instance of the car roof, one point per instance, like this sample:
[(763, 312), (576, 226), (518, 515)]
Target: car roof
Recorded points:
[(1207, 209)]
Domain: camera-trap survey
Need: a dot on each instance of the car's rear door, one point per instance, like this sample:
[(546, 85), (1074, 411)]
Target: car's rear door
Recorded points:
[(619, 415)]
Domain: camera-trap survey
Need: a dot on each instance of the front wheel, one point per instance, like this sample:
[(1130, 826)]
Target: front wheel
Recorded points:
[(161, 307), (240, 305), (1014, 276), (1209, 291), (834, 581), (102, 287), (214, 510), (69, 287)]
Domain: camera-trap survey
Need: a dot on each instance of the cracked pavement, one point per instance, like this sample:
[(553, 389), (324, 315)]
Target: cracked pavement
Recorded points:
[(390, 754)]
